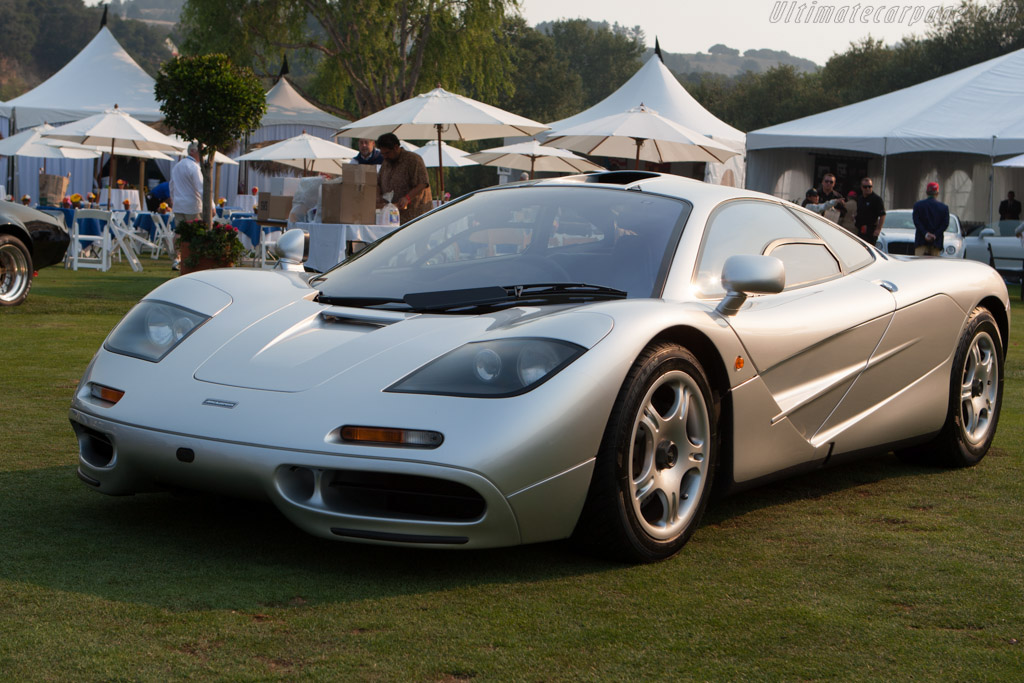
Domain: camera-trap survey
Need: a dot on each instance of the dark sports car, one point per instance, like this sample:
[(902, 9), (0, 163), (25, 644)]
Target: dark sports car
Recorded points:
[(29, 240)]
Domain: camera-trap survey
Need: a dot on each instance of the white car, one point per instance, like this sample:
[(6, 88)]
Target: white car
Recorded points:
[(998, 245), (585, 356), (897, 236)]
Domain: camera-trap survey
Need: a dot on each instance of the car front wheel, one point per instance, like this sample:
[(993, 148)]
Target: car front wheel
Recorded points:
[(653, 474), (15, 271)]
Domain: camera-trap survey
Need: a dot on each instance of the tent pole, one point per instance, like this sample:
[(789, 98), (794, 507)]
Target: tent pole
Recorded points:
[(639, 142), (991, 178), (440, 165), (12, 164), (885, 165), (113, 174)]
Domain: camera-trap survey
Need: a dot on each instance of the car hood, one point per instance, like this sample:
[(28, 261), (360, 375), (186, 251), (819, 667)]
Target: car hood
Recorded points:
[(292, 346), (26, 214)]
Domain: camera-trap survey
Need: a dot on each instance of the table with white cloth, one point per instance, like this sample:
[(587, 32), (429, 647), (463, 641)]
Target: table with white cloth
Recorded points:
[(118, 197), (327, 241)]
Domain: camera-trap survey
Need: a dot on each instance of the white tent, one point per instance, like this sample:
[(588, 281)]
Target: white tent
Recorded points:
[(947, 129), (286, 107), (655, 87), (101, 75), (288, 114)]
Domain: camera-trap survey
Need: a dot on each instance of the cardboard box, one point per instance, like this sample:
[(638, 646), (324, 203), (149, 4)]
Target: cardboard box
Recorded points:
[(330, 203), (284, 187), (52, 189), (271, 207), (359, 194)]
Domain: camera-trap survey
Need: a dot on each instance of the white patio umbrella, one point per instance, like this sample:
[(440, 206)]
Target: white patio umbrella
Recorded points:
[(532, 156), (114, 128), (95, 150), (29, 143), (304, 151), (640, 133), (442, 115), (449, 156)]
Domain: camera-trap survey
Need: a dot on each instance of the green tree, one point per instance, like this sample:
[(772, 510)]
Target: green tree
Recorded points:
[(380, 51), (603, 58), (544, 85), (211, 101)]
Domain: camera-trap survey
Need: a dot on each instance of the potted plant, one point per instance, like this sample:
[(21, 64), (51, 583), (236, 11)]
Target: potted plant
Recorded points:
[(203, 246)]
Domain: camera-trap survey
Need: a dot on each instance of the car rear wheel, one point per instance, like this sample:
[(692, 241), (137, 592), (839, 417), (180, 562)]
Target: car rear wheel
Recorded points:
[(15, 271), (975, 397), (653, 474)]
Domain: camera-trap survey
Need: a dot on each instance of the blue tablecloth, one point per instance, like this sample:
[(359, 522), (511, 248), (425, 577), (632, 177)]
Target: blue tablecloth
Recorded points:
[(248, 227)]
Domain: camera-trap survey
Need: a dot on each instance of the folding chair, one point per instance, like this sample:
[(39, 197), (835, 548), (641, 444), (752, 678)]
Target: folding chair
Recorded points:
[(99, 246), (163, 236), (122, 238)]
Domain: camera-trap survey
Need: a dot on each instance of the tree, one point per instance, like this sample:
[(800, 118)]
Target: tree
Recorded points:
[(385, 50), (603, 59), (211, 101)]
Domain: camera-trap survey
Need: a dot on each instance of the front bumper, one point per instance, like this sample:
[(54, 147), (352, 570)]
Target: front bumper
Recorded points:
[(384, 501)]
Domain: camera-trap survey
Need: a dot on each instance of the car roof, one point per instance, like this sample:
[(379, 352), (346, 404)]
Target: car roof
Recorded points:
[(649, 181)]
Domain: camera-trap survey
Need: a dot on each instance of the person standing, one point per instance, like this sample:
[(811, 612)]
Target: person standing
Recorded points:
[(405, 176), (368, 153), (931, 218), (870, 212), (1009, 208), (186, 186), (828, 191)]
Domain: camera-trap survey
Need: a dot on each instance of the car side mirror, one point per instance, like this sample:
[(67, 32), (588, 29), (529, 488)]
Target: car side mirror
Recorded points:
[(746, 274), (987, 232), (292, 250)]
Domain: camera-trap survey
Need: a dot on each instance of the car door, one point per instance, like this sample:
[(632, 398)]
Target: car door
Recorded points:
[(809, 342), (1002, 238)]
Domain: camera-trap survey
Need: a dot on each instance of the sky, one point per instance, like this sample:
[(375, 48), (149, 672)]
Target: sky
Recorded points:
[(695, 25)]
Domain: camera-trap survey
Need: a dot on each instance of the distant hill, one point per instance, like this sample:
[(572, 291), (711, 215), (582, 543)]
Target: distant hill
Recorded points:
[(719, 59), (728, 61)]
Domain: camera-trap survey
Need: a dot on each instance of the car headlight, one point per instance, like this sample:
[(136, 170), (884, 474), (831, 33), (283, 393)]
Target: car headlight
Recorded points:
[(152, 329), (491, 369), (950, 249)]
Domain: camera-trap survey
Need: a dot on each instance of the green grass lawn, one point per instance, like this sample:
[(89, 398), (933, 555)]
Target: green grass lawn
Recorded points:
[(873, 571)]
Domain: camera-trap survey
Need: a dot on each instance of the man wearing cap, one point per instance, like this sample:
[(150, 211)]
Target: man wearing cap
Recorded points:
[(870, 212), (810, 202), (931, 218), (404, 175)]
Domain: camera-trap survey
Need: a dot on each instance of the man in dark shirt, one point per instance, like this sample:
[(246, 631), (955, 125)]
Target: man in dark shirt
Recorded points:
[(368, 153), (404, 175), (828, 191), (870, 212), (931, 218), (1009, 208)]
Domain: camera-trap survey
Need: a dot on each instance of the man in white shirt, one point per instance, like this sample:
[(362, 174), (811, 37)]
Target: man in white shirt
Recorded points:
[(187, 187)]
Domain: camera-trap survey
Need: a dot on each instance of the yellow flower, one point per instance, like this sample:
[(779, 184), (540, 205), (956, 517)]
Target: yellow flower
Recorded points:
[(76, 197)]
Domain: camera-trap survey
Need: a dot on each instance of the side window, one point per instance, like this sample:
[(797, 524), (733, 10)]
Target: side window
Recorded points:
[(742, 227), (853, 253), (806, 263)]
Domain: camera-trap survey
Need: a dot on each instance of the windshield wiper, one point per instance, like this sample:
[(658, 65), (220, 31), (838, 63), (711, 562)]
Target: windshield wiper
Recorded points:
[(512, 295), (356, 301)]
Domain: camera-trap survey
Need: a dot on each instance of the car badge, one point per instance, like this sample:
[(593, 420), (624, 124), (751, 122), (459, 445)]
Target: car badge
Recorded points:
[(219, 403)]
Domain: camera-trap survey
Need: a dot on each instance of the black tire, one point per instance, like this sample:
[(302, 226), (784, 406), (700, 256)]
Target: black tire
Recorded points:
[(975, 398), (15, 270), (653, 474)]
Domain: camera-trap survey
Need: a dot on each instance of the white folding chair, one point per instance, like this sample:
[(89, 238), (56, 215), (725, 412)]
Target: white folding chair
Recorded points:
[(123, 238), (99, 246), (163, 237)]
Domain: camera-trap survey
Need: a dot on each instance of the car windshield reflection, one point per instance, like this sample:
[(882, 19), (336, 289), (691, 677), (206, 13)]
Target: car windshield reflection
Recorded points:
[(609, 239)]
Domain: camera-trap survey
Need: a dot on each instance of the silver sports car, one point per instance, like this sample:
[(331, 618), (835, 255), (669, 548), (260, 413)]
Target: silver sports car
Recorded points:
[(580, 357)]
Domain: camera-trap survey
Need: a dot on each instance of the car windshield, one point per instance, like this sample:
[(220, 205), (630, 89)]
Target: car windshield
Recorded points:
[(905, 220), (537, 242)]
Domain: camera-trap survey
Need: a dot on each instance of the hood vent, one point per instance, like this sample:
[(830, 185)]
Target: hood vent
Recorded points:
[(352, 316)]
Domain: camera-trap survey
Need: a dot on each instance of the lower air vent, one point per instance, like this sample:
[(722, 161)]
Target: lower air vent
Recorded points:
[(378, 494)]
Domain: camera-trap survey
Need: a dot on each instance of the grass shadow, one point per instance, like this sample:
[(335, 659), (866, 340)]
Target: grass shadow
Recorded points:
[(187, 552)]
